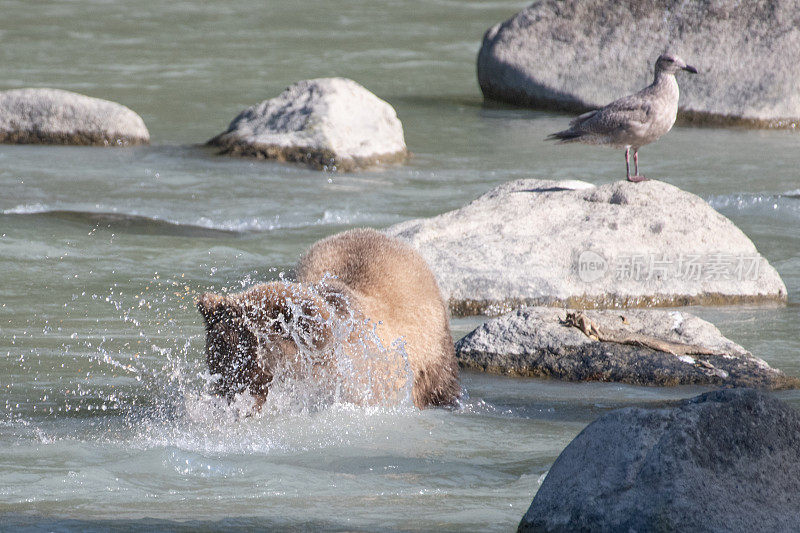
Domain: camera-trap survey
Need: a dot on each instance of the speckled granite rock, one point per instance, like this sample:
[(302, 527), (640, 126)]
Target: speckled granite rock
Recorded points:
[(53, 116), (326, 123), (534, 341), (543, 242), (576, 55), (724, 461)]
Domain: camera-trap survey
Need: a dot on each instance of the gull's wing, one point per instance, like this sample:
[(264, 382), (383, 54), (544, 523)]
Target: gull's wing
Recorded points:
[(630, 112)]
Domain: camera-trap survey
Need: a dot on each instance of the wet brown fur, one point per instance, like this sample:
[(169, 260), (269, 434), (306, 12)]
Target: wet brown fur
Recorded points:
[(384, 283), (236, 323)]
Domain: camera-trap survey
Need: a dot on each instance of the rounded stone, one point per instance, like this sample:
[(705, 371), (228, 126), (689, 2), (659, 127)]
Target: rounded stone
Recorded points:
[(326, 123), (538, 342), (724, 461), (575, 55), (53, 116), (622, 244)]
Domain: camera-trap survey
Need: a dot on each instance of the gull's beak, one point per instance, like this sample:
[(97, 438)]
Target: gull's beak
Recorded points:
[(689, 68)]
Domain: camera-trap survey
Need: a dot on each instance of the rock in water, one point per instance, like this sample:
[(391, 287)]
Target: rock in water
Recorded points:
[(724, 461), (540, 242), (53, 116), (327, 123), (535, 341), (552, 55)]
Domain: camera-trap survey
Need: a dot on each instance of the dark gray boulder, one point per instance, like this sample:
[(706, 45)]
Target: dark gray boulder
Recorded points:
[(53, 116), (723, 461), (535, 342), (576, 55)]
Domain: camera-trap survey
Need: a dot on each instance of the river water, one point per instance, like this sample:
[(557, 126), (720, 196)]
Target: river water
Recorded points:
[(103, 418)]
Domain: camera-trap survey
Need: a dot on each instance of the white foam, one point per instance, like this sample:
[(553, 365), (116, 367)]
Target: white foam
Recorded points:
[(27, 209), (767, 204), (336, 217)]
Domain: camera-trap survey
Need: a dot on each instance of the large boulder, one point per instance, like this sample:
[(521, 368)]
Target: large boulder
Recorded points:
[(540, 242), (577, 55), (326, 123), (724, 461), (53, 116), (652, 347)]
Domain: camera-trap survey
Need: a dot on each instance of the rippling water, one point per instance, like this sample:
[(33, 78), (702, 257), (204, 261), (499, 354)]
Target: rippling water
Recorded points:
[(104, 420)]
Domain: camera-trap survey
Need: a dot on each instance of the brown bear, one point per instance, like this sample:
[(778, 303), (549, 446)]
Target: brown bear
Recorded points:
[(362, 299)]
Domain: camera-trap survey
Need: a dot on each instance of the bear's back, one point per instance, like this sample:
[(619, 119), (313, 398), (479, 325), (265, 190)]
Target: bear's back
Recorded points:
[(394, 288)]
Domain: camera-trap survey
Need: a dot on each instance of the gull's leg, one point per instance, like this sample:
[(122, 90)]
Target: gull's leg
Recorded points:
[(635, 178), (627, 163)]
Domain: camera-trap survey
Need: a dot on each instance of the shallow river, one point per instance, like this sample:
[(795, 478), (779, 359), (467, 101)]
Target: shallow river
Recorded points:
[(103, 417)]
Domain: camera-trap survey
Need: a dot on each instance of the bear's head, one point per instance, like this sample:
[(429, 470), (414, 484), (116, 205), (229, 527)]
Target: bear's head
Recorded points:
[(254, 334)]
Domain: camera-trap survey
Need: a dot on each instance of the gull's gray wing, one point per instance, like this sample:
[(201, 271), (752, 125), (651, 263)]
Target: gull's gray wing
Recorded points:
[(630, 112)]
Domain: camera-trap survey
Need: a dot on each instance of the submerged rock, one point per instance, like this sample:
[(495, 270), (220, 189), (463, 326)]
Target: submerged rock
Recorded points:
[(53, 116), (327, 123), (724, 461), (575, 55), (536, 341), (538, 242)]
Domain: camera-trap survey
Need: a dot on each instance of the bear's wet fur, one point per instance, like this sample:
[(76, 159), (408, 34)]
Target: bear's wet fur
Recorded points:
[(379, 287)]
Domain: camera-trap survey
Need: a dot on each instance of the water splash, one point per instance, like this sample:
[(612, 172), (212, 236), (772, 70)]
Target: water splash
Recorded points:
[(310, 343), (142, 379), (781, 205)]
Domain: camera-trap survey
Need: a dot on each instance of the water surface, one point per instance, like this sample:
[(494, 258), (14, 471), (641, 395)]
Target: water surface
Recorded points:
[(103, 418)]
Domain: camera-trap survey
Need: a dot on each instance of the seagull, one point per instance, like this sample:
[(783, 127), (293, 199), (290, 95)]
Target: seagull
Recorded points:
[(635, 120)]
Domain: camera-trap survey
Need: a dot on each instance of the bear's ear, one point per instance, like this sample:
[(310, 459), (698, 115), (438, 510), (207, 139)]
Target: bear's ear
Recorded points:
[(213, 307)]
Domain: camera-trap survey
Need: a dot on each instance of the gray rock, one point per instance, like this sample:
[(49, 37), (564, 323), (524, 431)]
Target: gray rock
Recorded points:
[(576, 55), (537, 242), (327, 123), (534, 341), (724, 461), (53, 116)]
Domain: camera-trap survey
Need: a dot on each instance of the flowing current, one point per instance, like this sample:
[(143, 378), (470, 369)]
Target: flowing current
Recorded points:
[(105, 416)]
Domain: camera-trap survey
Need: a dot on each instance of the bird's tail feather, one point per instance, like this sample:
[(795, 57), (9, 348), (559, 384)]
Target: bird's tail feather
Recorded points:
[(564, 136)]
